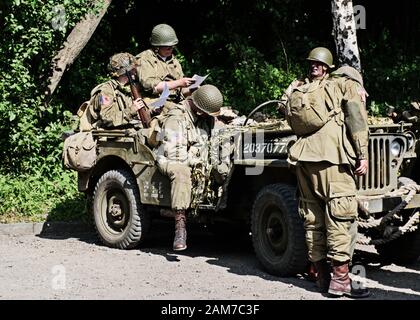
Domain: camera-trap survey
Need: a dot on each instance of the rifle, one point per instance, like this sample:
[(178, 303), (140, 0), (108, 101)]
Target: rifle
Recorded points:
[(143, 113)]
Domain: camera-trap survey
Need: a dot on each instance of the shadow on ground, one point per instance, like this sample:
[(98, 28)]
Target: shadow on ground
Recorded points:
[(73, 209), (232, 249)]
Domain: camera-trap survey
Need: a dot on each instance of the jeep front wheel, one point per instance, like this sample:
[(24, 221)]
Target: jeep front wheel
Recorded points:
[(120, 220), (278, 235)]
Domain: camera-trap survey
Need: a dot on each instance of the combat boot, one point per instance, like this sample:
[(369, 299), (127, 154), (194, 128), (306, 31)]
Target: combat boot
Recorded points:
[(180, 240), (312, 273), (323, 276), (341, 284)]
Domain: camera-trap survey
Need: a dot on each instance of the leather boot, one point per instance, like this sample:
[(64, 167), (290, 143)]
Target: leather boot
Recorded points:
[(341, 284), (312, 273), (180, 240), (323, 275)]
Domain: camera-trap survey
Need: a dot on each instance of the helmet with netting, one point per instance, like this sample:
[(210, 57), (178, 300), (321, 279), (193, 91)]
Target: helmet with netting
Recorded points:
[(163, 35), (208, 99), (120, 63)]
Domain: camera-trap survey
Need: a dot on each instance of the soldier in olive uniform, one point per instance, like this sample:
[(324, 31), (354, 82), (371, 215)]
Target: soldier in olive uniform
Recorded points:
[(183, 143), (158, 66), (111, 105), (328, 115)]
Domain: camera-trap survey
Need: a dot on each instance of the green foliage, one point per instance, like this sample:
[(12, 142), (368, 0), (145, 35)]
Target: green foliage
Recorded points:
[(30, 127), (392, 77), (31, 179), (243, 73), (253, 80), (36, 197)]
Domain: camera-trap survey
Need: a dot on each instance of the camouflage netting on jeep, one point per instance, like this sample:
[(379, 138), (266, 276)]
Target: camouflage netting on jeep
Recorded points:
[(222, 143), (379, 120)]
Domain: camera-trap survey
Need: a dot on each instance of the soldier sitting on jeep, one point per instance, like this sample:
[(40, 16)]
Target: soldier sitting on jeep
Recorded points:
[(111, 105), (183, 144)]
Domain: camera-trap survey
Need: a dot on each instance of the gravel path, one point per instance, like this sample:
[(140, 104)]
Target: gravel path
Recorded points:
[(77, 266)]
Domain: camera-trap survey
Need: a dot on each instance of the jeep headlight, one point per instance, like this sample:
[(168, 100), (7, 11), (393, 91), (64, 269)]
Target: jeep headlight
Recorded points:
[(396, 147), (411, 138)]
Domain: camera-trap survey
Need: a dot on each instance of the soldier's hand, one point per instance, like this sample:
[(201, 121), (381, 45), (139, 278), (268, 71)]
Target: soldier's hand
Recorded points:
[(185, 82), (156, 111), (138, 104), (361, 167)]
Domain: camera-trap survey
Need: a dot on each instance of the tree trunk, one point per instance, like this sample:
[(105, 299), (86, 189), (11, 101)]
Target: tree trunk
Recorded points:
[(74, 44), (344, 28)]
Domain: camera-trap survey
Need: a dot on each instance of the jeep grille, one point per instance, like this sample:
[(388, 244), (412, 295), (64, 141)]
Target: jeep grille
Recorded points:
[(381, 176)]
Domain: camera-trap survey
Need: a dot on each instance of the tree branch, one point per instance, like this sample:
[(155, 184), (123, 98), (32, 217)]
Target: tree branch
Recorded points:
[(74, 44)]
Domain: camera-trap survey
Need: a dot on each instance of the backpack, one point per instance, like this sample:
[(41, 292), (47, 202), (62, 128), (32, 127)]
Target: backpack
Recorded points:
[(79, 151), (308, 110), (86, 120), (87, 112)]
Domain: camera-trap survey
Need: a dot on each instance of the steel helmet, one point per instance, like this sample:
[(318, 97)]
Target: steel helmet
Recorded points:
[(208, 99), (120, 63), (321, 54), (163, 35)]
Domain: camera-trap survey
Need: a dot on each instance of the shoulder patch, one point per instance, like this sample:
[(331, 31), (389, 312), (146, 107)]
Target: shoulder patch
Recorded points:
[(105, 100), (362, 93)]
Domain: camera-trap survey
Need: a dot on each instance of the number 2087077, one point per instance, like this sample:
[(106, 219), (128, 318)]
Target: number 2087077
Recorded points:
[(265, 147)]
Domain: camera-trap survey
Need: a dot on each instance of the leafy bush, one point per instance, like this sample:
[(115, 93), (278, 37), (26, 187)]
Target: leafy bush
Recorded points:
[(391, 79), (31, 127), (245, 77), (36, 197), (31, 179)]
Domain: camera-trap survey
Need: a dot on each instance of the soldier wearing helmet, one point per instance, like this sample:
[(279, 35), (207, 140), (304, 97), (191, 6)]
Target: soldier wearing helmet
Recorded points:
[(183, 139), (159, 66), (327, 113), (111, 105)]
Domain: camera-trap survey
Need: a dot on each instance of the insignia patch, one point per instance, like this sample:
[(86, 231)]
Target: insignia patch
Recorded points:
[(363, 94), (104, 100)]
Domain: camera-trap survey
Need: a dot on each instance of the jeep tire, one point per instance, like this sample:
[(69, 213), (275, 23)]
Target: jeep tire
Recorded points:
[(120, 220), (278, 235)]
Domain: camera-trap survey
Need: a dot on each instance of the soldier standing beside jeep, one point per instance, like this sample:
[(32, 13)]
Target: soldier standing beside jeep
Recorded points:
[(111, 104), (184, 131), (327, 115), (159, 66)]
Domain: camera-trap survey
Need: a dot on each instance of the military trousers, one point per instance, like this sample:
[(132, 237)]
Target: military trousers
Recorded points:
[(181, 185), (328, 206)]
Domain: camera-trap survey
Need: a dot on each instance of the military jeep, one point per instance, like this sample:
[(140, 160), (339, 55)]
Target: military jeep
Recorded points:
[(126, 190)]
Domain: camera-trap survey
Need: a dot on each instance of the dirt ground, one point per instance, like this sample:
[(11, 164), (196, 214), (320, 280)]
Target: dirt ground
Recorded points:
[(77, 266)]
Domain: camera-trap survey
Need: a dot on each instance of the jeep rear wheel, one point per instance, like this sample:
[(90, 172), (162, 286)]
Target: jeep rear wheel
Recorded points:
[(278, 235), (120, 220)]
